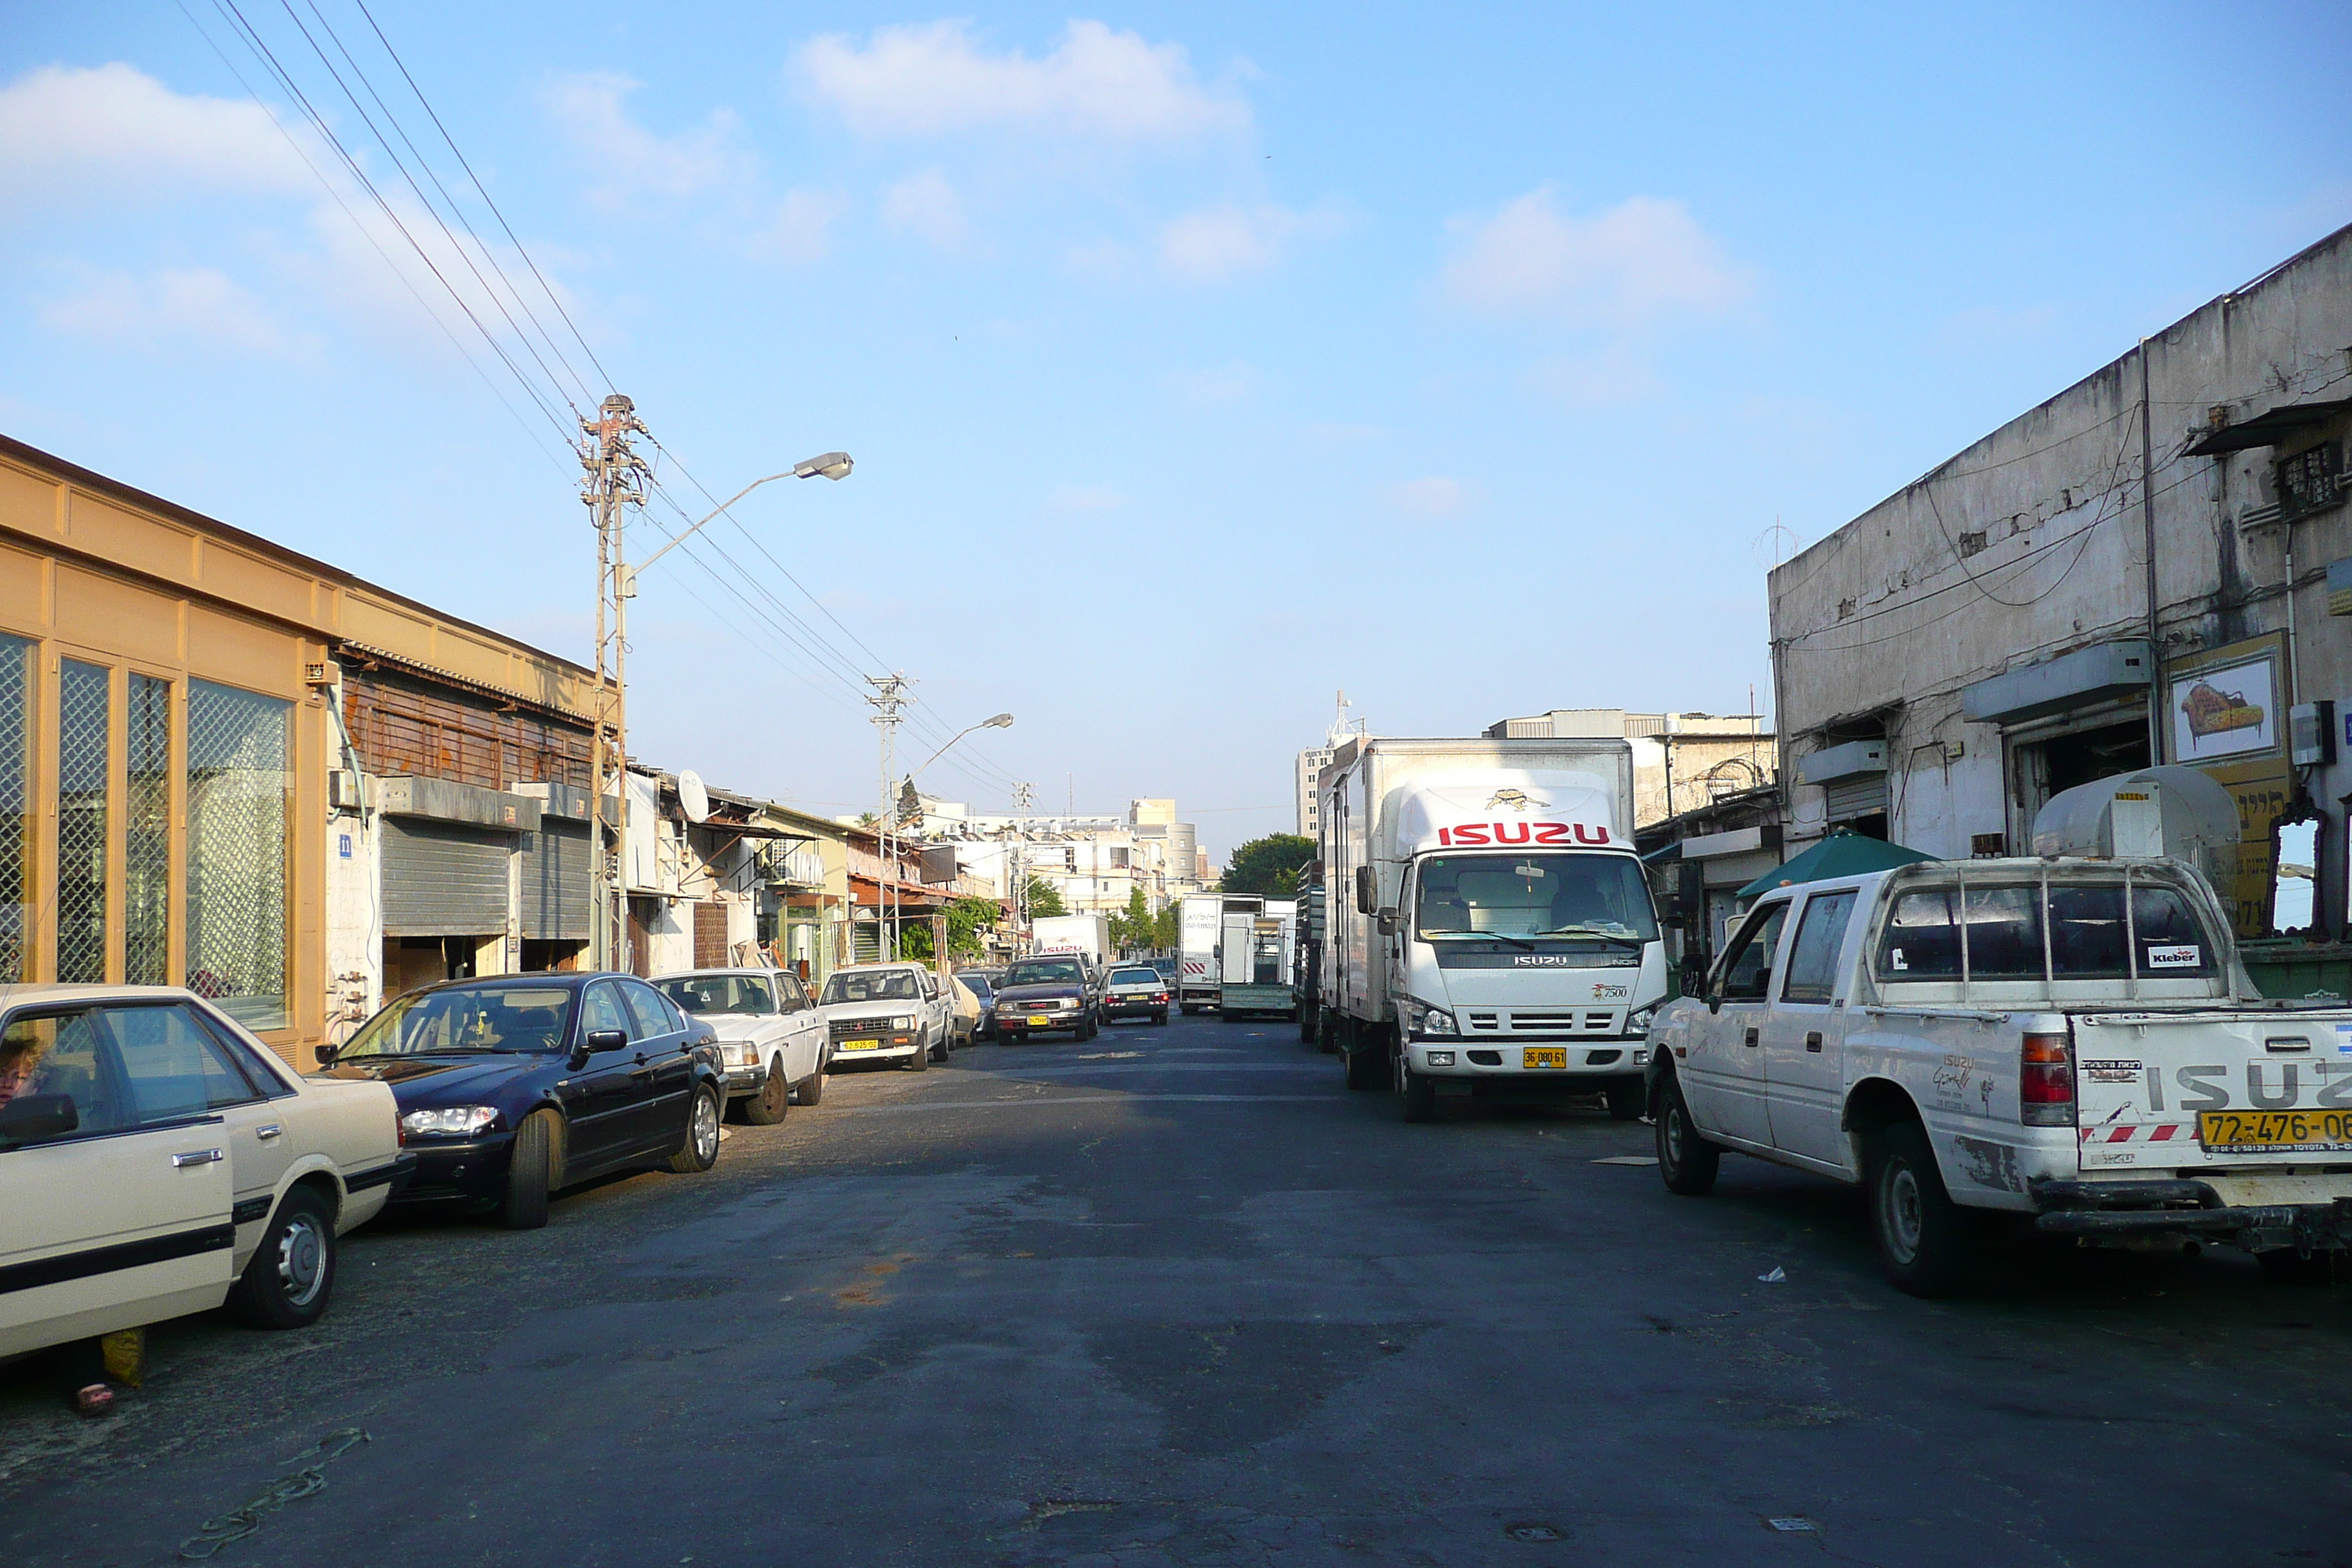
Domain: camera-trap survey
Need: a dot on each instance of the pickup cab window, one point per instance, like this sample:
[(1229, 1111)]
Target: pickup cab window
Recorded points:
[(2088, 937), (1812, 961), (1747, 964)]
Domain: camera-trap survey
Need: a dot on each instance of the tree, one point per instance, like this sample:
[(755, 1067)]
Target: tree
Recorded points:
[(1269, 866), (1044, 898), (1166, 927), (966, 917), (1132, 926)]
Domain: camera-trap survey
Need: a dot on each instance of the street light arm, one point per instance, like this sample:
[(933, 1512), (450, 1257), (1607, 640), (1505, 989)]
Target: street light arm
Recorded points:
[(831, 465), (1001, 721)]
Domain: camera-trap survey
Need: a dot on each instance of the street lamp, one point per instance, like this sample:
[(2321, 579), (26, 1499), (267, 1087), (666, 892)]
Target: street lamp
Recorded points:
[(826, 465), (1001, 721), (891, 808)]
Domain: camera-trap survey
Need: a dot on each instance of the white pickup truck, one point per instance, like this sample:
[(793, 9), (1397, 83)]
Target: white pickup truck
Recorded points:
[(2069, 1039)]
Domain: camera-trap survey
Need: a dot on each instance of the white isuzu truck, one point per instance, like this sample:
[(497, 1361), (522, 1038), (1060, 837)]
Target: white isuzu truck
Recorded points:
[(1490, 933)]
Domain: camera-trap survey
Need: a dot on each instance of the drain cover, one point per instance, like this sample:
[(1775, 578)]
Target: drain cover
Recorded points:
[(1534, 1532)]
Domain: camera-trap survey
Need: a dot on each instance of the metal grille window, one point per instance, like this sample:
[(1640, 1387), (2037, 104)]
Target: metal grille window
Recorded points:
[(16, 806), (238, 785), (2310, 480), (83, 703), (147, 834)]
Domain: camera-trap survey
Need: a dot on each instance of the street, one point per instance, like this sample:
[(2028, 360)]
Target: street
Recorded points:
[(1174, 1296)]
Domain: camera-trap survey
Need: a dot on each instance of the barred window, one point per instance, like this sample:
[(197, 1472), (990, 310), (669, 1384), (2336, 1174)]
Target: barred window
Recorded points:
[(16, 817), (84, 713), (239, 785), (147, 834)]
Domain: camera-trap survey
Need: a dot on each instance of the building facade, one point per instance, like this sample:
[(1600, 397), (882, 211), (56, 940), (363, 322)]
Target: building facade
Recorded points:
[(1681, 762)]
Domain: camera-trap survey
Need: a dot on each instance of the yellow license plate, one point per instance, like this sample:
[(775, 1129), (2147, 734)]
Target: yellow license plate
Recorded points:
[(1532, 1057), (2282, 1131), (861, 1045)]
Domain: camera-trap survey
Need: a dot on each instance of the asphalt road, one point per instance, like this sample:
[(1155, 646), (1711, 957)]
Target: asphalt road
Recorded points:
[(1175, 1296)]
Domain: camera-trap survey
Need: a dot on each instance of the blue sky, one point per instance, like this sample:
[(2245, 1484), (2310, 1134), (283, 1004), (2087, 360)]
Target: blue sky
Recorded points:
[(1198, 361)]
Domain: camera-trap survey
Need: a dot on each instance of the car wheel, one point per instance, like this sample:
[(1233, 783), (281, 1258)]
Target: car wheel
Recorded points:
[(767, 1107), (1416, 1092), (1924, 1242), (530, 1173), (2288, 1267), (1686, 1160), (701, 1150), (290, 1275), (1159, 1019), (812, 1088), (1625, 1098)]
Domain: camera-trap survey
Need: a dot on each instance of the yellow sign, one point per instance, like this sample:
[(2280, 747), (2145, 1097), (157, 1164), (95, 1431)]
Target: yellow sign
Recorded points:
[(2210, 696)]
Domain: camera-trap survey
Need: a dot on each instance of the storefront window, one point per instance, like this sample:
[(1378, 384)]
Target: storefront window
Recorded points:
[(83, 693), (16, 806), (239, 802), (147, 835)]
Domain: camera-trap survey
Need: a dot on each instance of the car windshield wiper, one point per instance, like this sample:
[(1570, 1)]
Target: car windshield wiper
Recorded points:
[(1477, 936), (1633, 942)]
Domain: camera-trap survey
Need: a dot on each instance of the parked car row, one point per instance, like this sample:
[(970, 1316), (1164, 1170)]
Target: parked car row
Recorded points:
[(159, 1160)]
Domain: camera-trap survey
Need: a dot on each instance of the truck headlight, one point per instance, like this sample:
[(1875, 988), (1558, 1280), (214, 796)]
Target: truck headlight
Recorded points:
[(449, 1121), (1638, 1021), (1425, 1019), (1441, 1058)]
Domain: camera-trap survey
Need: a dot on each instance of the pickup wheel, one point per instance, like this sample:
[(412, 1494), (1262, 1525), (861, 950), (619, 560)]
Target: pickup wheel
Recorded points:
[(531, 1172), (1686, 1160), (921, 1059), (287, 1281), (1925, 1244), (944, 1048), (1625, 1098), (767, 1107)]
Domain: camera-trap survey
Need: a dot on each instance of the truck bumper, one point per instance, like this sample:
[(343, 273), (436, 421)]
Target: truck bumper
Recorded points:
[(2189, 1209), (1583, 1058)]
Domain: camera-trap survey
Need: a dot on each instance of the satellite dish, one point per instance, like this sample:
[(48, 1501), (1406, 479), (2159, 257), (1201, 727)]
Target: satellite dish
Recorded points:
[(693, 796)]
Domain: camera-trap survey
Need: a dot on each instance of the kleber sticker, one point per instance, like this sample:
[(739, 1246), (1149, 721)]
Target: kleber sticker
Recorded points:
[(1894, 959), (2185, 955), (2121, 1069)]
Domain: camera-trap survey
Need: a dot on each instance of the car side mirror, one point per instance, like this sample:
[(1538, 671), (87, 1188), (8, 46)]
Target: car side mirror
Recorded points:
[(327, 1053), (607, 1040), (29, 1117)]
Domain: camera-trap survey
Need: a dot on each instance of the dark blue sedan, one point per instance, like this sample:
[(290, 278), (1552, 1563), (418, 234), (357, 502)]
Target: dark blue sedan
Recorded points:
[(514, 1087)]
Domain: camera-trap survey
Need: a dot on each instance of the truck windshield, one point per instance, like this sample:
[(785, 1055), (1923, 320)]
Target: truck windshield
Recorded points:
[(1592, 896)]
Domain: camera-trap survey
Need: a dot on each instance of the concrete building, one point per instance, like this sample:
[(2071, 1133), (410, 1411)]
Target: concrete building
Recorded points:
[(1311, 765), (2146, 567), (1681, 761), (1094, 863)]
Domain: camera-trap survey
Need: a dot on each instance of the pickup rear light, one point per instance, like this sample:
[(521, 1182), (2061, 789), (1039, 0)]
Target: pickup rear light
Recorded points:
[(2045, 1081)]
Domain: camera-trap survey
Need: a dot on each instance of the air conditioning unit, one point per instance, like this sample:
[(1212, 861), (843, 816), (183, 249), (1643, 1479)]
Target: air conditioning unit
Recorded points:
[(343, 790)]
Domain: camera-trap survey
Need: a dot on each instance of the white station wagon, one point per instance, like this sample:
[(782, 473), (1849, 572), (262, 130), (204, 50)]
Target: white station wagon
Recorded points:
[(771, 1035), (159, 1160)]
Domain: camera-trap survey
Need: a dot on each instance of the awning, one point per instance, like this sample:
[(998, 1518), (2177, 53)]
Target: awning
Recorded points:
[(2268, 429), (2077, 679), (1840, 855)]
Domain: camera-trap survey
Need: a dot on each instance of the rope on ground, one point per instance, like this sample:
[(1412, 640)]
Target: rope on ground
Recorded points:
[(308, 1481)]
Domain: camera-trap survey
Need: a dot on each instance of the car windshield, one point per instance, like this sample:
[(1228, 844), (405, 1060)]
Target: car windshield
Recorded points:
[(469, 1018), (1135, 977), (1470, 897), (978, 986), (721, 993), (1053, 972), (871, 985)]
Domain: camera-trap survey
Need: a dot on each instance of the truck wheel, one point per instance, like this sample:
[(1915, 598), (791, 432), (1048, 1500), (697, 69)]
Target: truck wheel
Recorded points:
[(767, 1107), (1306, 1029), (2287, 1266), (1625, 1098), (1416, 1093), (1186, 1008), (1686, 1160), (1327, 1038), (1366, 1065), (1924, 1242), (531, 1172), (287, 1281)]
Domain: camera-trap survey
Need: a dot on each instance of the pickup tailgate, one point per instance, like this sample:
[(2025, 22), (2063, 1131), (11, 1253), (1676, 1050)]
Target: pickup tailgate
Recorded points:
[(2213, 1089)]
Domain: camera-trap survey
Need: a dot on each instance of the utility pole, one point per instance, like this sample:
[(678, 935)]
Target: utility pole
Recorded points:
[(1022, 794), (615, 474), (2157, 694), (889, 697)]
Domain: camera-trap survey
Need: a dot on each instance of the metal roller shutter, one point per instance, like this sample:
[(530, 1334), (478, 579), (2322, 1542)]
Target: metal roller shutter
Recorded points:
[(556, 881), (1850, 798), (442, 879)]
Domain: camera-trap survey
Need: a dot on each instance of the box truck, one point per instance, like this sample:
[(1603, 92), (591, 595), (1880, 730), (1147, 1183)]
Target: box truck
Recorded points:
[(1490, 928), (1200, 928), (1086, 935), (1255, 959)]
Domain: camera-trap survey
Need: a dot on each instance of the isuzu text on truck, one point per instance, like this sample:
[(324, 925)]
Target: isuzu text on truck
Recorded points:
[(1489, 929)]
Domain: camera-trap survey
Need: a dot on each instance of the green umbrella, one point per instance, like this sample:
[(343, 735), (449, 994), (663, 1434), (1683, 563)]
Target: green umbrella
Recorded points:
[(1843, 853)]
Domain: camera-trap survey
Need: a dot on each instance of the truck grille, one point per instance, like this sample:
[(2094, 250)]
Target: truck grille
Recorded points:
[(1554, 1021)]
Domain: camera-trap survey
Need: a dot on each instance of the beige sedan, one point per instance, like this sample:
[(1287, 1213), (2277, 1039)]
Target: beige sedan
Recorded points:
[(157, 1160)]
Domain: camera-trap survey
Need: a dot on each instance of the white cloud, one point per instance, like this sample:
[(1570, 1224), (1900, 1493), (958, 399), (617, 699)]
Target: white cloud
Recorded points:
[(1640, 261), (1431, 497), (1218, 243), (803, 227), (927, 207), (1235, 383), (631, 161), (924, 80), (96, 133), (197, 303)]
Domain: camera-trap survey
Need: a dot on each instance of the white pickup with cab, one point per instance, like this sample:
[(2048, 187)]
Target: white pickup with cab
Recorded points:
[(2072, 1041)]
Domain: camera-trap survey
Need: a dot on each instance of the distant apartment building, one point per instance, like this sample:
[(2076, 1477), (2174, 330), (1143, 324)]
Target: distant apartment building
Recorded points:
[(1311, 762), (1094, 863), (1681, 761)]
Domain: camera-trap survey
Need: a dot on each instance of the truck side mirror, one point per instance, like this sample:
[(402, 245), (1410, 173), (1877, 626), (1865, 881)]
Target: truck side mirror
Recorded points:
[(1367, 892), (1386, 918)]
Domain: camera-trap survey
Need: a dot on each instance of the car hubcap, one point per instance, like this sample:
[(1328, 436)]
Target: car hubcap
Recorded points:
[(1674, 1131), (302, 1261), (778, 1090), (706, 1128), (1901, 1205)]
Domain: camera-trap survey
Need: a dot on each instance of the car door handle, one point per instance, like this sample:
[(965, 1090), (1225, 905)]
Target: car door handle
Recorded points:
[(273, 1130), (197, 1157), (1813, 1040), (1751, 1038)]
